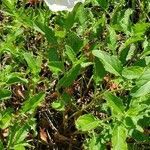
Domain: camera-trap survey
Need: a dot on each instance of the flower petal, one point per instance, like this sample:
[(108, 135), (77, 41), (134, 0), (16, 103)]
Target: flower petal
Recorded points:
[(60, 5)]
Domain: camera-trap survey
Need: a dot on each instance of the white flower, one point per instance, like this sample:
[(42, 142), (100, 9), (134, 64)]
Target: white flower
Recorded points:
[(60, 5)]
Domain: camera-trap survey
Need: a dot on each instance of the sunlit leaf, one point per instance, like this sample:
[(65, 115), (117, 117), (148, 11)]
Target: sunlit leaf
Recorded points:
[(87, 122), (119, 136), (5, 118), (114, 103), (111, 63), (143, 90), (133, 72)]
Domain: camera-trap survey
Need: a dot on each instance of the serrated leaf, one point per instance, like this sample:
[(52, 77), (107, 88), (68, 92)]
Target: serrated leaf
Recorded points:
[(71, 54), (132, 72), (125, 50), (143, 90), (114, 103), (74, 42), (138, 106), (4, 94), (136, 110), (49, 33), (81, 15), (146, 47), (87, 122), (119, 136), (112, 39), (34, 64), (140, 28), (145, 77), (131, 52), (111, 63), (125, 22), (69, 76), (70, 20), (32, 103)]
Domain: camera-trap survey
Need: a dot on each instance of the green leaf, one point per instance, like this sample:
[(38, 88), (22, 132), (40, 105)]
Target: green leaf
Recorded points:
[(114, 103), (81, 15), (131, 40), (111, 63), (49, 33), (59, 105), (70, 20), (19, 147), (56, 66), (145, 77), (139, 136), (74, 42), (17, 136), (71, 54), (69, 76), (1, 145), (119, 136), (137, 106), (10, 4), (21, 134), (4, 94), (34, 64), (125, 50), (129, 122), (131, 52), (32, 103), (112, 40), (132, 72), (15, 78), (60, 33), (140, 28), (99, 71), (103, 3), (52, 54), (146, 47), (143, 90), (63, 101), (87, 122), (96, 142), (5, 118), (125, 22), (123, 54)]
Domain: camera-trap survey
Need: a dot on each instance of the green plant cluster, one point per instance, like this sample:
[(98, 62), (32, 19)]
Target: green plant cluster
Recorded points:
[(101, 47)]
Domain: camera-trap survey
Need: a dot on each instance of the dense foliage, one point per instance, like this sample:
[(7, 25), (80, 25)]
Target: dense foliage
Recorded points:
[(75, 80)]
